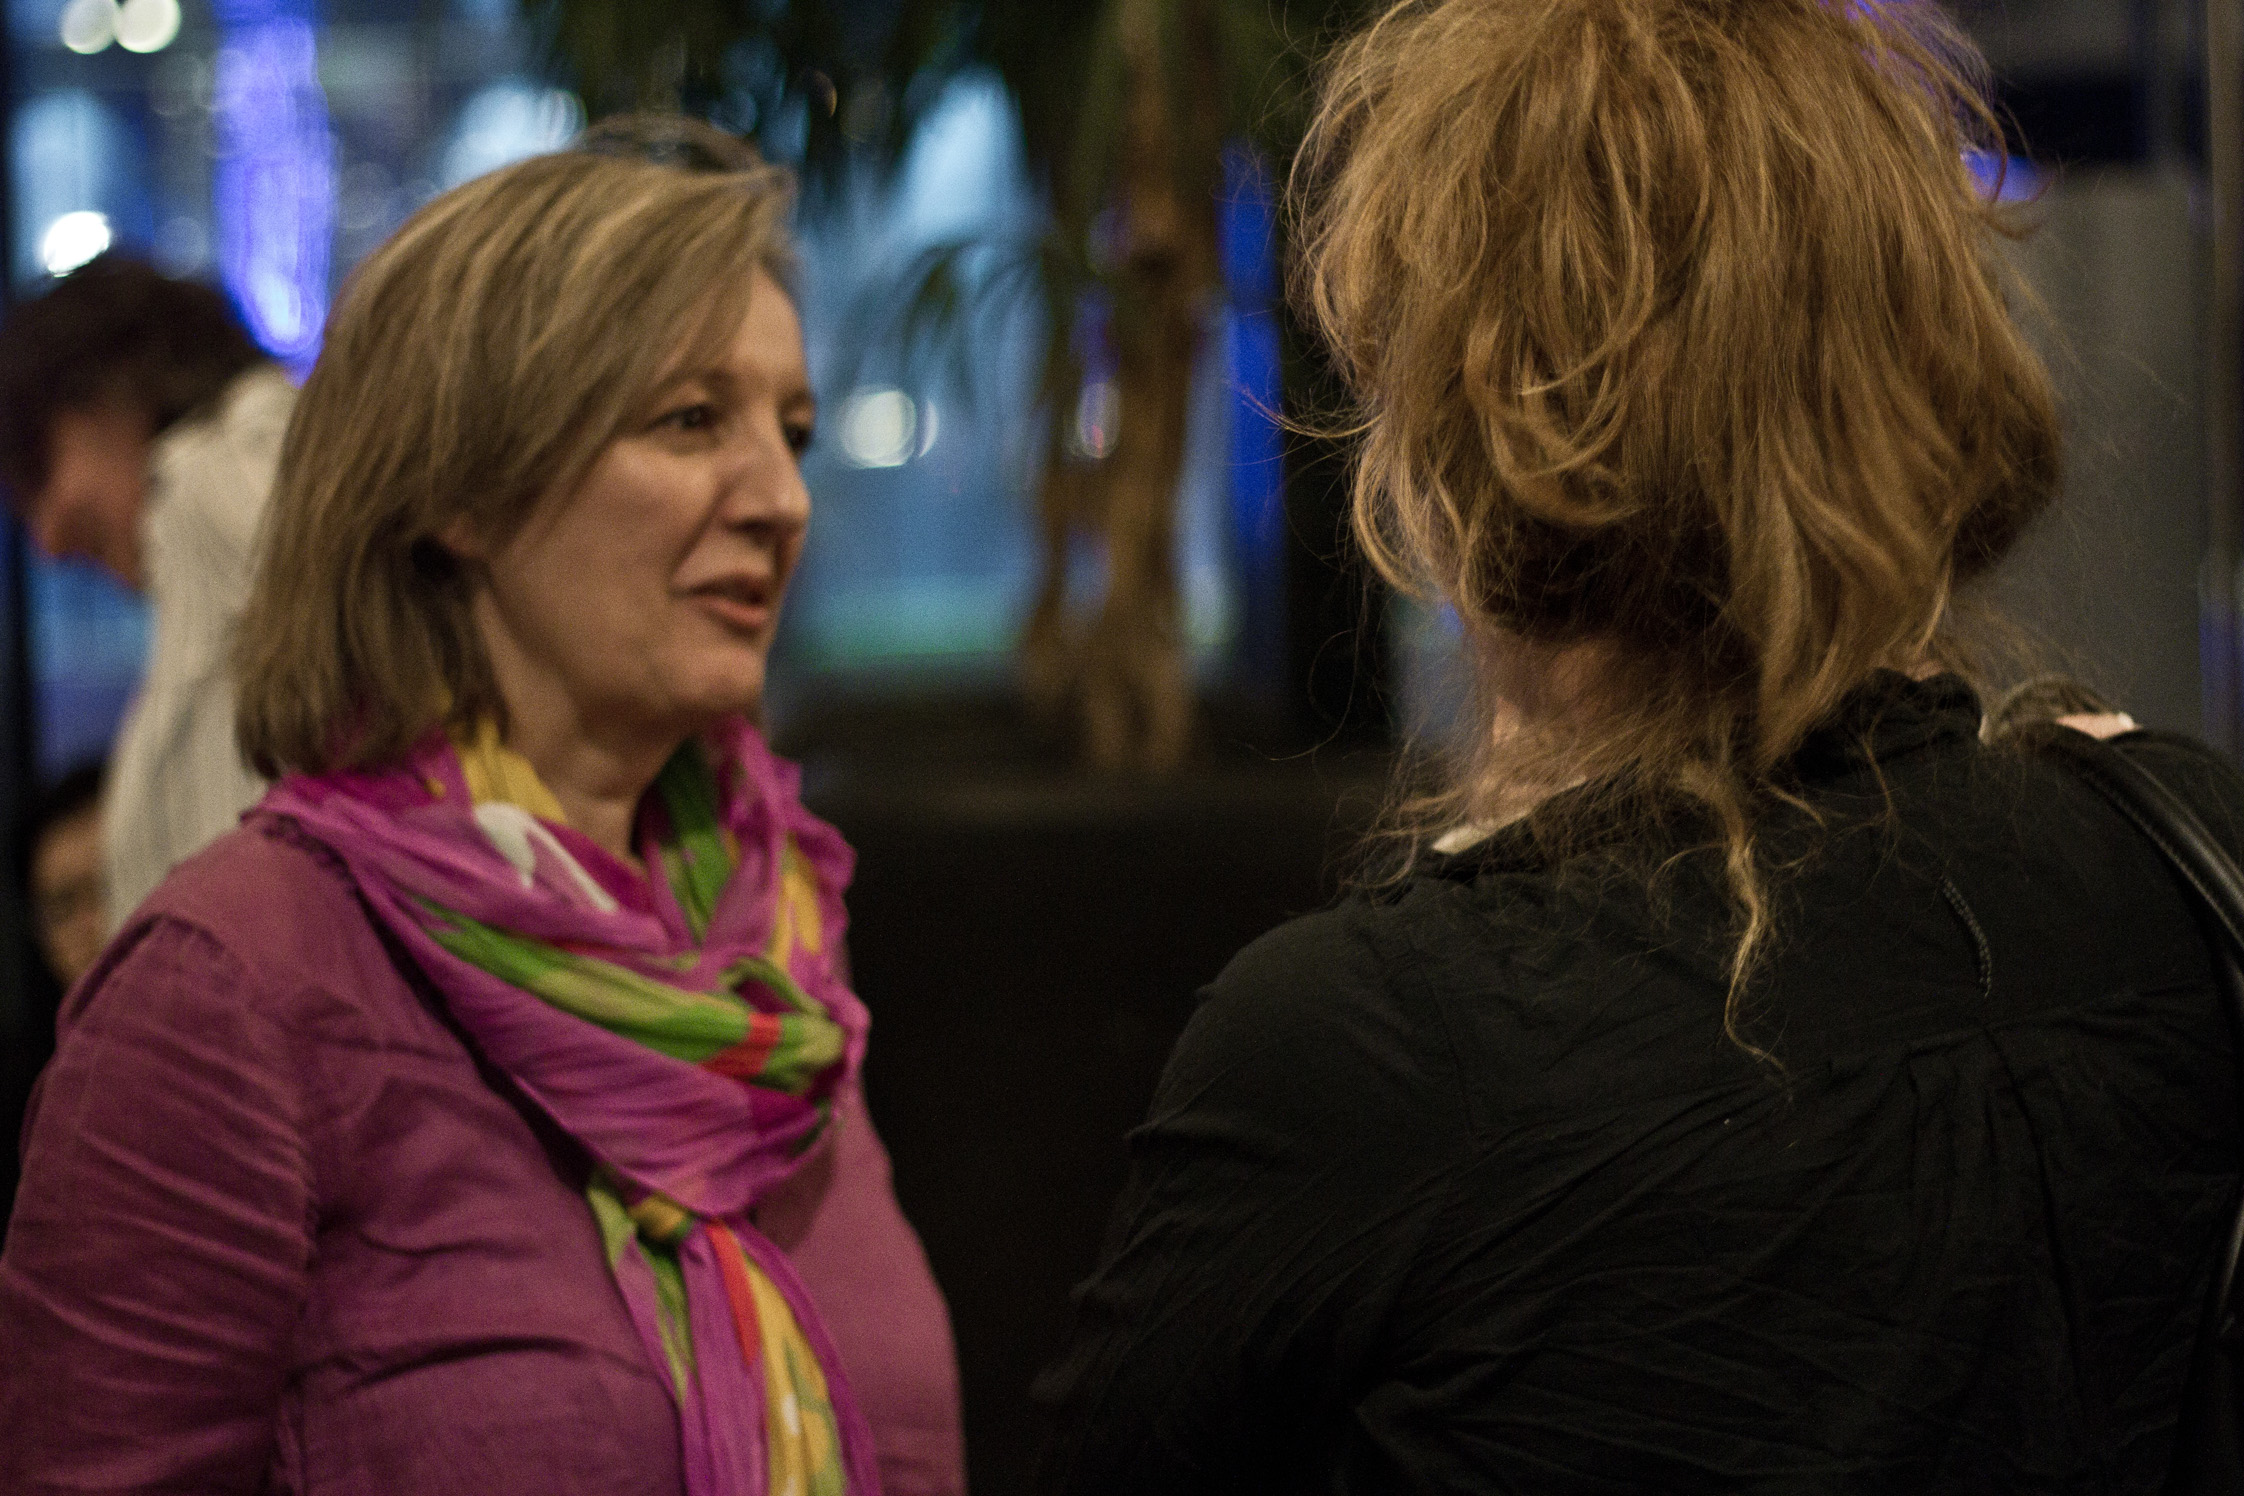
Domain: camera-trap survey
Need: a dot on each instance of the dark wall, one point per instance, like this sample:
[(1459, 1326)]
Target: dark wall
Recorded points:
[(2107, 583), (1029, 944)]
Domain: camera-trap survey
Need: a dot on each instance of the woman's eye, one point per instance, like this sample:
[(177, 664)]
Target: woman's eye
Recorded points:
[(701, 416), (798, 437)]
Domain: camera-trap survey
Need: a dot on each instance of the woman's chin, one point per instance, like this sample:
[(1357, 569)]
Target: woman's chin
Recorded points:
[(737, 694)]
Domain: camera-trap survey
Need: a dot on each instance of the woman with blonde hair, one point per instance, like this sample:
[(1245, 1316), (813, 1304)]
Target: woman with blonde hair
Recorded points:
[(484, 1115), (1756, 1082)]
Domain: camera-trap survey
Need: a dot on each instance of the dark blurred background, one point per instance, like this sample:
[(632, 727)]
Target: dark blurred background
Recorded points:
[(1028, 931)]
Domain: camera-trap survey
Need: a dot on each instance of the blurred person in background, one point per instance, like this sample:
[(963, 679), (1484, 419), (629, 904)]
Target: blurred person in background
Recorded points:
[(483, 1115), (139, 430), (59, 842), (63, 834), (1754, 1081)]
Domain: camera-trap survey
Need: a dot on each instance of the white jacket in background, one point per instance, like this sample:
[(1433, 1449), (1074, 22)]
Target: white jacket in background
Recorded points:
[(176, 780)]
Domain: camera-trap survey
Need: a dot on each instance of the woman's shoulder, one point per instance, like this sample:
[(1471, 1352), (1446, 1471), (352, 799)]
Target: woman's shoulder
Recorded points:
[(262, 879), (2208, 780), (2020, 788), (264, 911), (1328, 1005), (1317, 970)]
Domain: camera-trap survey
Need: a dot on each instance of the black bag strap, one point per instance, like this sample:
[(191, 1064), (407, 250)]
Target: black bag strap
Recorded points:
[(2181, 838)]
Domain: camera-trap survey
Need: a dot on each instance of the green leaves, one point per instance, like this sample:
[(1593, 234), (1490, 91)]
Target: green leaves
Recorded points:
[(823, 84)]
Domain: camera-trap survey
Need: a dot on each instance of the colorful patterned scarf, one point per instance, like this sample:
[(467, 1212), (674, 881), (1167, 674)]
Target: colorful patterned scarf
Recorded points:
[(689, 1030)]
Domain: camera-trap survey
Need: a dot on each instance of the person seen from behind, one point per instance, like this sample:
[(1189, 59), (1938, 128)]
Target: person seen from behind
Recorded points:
[(139, 430), (1753, 1080), (483, 1115)]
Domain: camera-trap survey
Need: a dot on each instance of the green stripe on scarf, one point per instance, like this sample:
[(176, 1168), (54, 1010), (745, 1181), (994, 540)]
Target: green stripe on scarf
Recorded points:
[(696, 859), (676, 1021), (620, 1234), (629, 978)]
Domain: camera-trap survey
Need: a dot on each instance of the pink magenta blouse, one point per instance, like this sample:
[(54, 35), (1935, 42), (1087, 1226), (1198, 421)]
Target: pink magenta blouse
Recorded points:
[(279, 1231)]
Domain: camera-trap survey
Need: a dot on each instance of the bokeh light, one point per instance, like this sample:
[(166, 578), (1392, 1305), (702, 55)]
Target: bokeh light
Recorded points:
[(879, 428), (73, 239), (147, 25), (88, 26)]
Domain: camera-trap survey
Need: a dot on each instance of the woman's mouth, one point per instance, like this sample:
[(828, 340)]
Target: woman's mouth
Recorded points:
[(744, 607)]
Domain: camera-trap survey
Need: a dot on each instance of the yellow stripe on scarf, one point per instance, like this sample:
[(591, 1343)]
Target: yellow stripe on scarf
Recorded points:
[(797, 925), (805, 1458), (801, 1434), (496, 773)]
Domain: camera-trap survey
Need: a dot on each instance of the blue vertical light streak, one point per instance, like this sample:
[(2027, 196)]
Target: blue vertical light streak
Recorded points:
[(274, 187), (1247, 226)]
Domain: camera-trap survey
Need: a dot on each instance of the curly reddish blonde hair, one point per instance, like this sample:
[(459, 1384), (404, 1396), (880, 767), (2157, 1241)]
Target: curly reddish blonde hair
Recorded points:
[(1675, 329)]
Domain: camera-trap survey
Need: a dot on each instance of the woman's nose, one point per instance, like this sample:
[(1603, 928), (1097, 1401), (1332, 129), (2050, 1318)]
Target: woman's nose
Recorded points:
[(793, 498), (767, 485)]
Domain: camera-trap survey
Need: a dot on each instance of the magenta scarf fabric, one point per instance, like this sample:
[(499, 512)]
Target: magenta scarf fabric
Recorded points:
[(714, 1143)]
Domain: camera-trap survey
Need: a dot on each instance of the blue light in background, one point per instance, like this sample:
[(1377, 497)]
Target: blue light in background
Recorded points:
[(1247, 227), (34, 21), (89, 637), (2011, 179), (70, 154), (922, 561), (274, 183), (505, 122), (957, 181)]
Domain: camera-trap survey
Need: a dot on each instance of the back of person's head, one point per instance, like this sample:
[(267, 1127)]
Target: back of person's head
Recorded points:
[(113, 331), (1676, 328), (475, 366)]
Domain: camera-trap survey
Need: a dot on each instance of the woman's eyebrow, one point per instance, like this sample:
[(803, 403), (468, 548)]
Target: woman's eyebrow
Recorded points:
[(669, 385), (714, 384)]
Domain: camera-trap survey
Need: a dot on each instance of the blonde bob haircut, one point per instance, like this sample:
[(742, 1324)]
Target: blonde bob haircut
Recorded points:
[(1676, 328), (476, 366)]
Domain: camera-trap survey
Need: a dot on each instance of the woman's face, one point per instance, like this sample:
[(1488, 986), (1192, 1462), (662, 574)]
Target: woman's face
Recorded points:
[(97, 484), (644, 602)]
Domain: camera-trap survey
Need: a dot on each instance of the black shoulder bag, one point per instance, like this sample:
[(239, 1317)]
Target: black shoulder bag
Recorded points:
[(2209, 1443)]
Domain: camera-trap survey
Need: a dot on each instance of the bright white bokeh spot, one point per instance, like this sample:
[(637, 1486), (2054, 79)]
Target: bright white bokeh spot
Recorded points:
[(73, 239), (879, 428), (68, 151), (505, 122), (147, 25), (87, 26)]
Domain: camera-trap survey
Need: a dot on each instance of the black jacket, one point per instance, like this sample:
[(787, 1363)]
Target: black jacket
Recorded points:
[(1461, 1187)]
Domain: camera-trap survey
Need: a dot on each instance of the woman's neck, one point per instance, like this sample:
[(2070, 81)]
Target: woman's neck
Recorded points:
[(598, 783), (597, 765)]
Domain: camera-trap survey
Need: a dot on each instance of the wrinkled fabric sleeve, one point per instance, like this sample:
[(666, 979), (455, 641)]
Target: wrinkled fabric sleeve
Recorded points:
[(1297, 1151), (156, 1261)]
